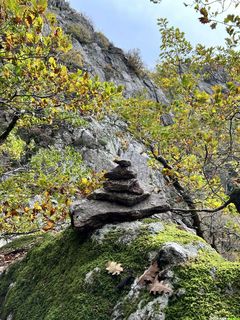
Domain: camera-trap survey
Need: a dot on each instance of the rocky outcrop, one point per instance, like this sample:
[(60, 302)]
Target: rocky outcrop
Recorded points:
[(100, 57), (65, 277), (99, 143)]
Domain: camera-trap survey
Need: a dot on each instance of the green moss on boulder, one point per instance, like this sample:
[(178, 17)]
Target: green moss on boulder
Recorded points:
[(64, 278)]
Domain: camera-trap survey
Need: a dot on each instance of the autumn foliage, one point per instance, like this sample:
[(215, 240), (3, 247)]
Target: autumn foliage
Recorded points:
[(38, 90)]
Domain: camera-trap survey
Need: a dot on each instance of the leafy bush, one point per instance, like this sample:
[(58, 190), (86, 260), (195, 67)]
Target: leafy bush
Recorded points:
[(40, 197), (14, 147), (72, 58)]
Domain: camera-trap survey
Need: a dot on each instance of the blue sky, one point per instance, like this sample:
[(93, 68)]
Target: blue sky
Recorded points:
[(132, 24)]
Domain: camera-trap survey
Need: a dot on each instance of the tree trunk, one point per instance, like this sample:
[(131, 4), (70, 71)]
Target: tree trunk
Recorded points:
[(10, 127)]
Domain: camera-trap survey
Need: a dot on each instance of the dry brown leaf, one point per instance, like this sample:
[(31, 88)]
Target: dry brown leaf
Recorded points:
[(159, 287), (149, 275), (114, 268)]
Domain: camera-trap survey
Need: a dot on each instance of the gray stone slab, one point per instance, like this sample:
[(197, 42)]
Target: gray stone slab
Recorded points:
[(120, 173), (123, 163), (124, 198), (131, 186), (88, 215)]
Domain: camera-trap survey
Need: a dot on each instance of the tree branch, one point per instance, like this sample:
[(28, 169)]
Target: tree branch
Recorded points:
[(184, 194), (203, 210)]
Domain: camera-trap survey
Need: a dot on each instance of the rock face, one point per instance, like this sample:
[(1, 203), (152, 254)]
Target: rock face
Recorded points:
[(100, 57), (106, 139), (99, 157)]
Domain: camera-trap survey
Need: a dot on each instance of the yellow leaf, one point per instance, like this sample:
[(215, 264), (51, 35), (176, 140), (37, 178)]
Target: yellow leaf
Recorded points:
[(68, 202), (52, 61), (37, 206), (29, 37), (87, 191), (84, 181)]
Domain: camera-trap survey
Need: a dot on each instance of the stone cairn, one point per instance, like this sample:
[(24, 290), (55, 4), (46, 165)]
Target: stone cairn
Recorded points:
[(120, 200), (121, 186)]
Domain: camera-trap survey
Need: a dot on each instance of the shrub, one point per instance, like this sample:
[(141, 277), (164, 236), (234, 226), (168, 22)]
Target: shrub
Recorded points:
[(80, 32), (102, 40), (135, 61), (72, 58), (39, 197)]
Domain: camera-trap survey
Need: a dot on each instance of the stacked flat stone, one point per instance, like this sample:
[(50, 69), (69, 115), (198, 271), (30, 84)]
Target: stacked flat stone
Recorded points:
[(121, 186)]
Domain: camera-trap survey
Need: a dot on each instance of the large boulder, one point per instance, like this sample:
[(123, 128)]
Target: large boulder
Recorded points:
[(65, 277)]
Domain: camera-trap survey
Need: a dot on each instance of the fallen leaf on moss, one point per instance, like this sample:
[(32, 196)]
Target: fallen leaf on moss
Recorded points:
[(159, 287), (114, 268), (149, 275)]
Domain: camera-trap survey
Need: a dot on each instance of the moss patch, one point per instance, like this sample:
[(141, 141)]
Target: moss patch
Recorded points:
[(212, 288), (24, 242), (50, 282)]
